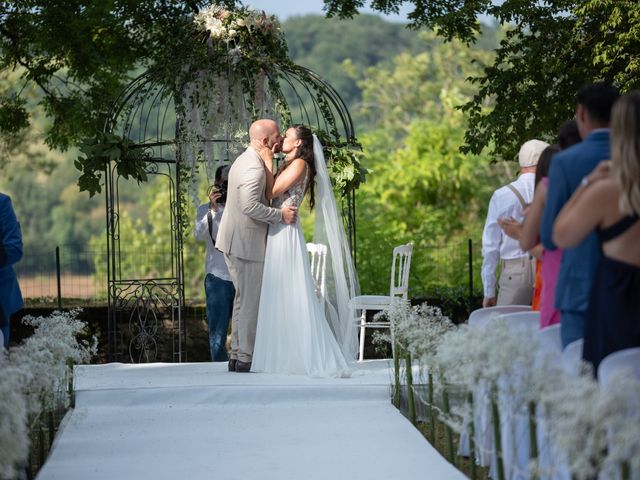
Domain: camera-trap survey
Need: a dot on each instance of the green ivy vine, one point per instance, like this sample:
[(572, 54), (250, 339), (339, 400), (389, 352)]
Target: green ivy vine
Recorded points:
[(256, 50), (99, 151)]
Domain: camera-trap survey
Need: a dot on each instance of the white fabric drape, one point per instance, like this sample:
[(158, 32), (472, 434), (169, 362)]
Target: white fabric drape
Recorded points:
[(341, 280)]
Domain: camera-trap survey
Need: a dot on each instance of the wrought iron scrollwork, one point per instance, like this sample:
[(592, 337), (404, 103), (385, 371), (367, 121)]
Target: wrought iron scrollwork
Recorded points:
[(146, 302)]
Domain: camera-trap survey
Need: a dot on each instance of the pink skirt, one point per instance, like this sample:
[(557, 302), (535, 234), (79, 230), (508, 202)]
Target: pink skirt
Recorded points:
[(550, 267)]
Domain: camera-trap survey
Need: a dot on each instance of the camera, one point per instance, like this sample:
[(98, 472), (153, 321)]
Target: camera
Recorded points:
[(222, 189)]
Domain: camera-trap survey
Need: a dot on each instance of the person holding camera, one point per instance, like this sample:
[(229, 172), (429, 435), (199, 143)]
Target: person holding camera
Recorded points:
[(218, 286)]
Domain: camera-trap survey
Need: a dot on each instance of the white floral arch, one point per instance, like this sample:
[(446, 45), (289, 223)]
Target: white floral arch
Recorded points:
[(194, 112)]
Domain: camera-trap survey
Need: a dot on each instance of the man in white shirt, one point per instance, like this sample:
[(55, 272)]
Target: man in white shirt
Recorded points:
[(218, 286), (517, 273)]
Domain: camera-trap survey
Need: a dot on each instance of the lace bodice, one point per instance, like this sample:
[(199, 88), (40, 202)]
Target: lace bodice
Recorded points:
[(293, 196)]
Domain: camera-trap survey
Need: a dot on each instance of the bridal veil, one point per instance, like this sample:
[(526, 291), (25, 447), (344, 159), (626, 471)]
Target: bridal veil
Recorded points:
[(341, 280)]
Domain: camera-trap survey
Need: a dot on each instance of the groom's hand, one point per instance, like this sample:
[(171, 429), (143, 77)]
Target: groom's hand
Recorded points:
[(289, 214)]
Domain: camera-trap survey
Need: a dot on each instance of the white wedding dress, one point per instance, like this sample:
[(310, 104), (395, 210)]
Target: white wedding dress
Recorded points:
[(293, 335)]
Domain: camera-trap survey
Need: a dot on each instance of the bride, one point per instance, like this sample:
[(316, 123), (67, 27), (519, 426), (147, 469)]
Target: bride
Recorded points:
[(298, 332)]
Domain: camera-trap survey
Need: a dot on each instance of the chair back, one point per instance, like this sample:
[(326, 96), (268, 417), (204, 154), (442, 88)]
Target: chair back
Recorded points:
[(550, 341), (523, 322), (572, 357), (623, 360), (400, 270), (318, 264), (480, 317)]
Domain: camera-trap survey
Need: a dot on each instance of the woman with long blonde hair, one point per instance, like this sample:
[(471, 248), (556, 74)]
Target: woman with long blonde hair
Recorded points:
[(608, 201)]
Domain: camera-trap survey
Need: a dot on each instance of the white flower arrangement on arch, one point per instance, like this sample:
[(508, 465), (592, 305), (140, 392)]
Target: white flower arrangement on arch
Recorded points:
[(225, 24), (242, 30)]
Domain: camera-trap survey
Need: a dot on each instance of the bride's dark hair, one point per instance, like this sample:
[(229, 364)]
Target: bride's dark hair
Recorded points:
[(305, 152)]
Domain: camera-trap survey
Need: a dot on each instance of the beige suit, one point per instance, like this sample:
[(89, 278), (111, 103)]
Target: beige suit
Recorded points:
[(242, 237)]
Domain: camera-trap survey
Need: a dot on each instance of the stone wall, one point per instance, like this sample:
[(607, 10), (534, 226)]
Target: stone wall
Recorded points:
[(195, 347)]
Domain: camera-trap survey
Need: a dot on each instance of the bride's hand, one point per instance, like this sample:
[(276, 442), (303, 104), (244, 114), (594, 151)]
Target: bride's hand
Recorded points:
[(265, 153)]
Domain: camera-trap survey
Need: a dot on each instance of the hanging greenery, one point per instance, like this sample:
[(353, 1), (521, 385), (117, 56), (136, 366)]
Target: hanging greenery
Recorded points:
[(345, 168), (227, 69), (100, 151)]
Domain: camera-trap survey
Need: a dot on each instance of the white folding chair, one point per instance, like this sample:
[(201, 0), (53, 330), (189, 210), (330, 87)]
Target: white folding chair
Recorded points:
[(514, 426), (318, 264), (572, 357), (523, 322), (550, 342), (480, 317), (627, 359), (626, 363), (399, 287)]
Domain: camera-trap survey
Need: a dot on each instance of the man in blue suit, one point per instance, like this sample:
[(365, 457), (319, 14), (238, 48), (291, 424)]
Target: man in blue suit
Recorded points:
[(10, 253), (569, 170)]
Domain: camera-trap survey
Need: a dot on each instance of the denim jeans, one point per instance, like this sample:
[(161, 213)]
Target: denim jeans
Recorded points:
[(220, 295)]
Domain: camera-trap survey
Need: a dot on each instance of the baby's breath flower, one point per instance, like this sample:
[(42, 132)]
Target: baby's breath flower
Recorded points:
[(32, 378)]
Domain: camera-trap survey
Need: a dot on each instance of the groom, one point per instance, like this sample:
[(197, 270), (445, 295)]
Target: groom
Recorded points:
[(242, 237)]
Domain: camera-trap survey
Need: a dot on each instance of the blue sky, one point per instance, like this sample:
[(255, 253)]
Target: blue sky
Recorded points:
[(287, 8)]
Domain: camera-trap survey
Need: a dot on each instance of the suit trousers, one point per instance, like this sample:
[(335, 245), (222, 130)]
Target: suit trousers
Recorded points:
[(4, 327), (571, 326), (516, 282), (247, 280)]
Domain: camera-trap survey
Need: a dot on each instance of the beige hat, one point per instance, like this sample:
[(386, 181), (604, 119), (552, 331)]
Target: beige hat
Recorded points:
[(530, 152)]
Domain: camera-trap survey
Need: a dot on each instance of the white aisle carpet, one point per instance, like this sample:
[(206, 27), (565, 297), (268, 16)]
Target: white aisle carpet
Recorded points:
[(197, 421)]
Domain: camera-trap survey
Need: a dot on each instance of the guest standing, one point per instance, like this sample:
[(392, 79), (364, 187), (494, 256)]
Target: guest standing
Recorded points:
[(568, 169), (10, 253), (530, 238), (608, 203), (515, 286)]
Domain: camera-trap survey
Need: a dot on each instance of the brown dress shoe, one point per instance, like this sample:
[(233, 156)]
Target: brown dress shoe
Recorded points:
[(243, 367), (232, 364)]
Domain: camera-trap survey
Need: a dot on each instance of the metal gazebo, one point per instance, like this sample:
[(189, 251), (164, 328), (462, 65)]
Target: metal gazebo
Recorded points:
[(143, 304)]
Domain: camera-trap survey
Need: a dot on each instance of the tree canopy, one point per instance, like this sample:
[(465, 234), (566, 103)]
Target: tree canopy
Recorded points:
[(324, 45), (74, 56), (78, 54), (422, 188), (549, 50), (37, 176)]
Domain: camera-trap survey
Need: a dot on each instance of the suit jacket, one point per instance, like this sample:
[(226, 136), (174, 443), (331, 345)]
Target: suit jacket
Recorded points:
[(579, 264), (244, 225), (10, 253)]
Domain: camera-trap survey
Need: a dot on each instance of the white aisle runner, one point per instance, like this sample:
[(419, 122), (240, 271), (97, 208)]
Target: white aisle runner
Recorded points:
[(197, 421)]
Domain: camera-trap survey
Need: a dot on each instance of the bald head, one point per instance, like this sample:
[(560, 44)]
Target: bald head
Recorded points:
[(262, 129)]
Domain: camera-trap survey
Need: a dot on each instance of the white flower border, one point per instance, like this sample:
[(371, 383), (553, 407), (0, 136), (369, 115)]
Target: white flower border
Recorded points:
[(34, 379), (595, 429)]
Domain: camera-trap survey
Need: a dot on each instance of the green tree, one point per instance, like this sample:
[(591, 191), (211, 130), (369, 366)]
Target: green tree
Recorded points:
[(49, 206), (550, 49), (422, 189), (42, 180), (410, 87), (427, 192), (325, 44), (78, 54)]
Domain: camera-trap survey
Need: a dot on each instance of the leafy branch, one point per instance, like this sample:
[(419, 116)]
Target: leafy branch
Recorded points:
[(103, 149)]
